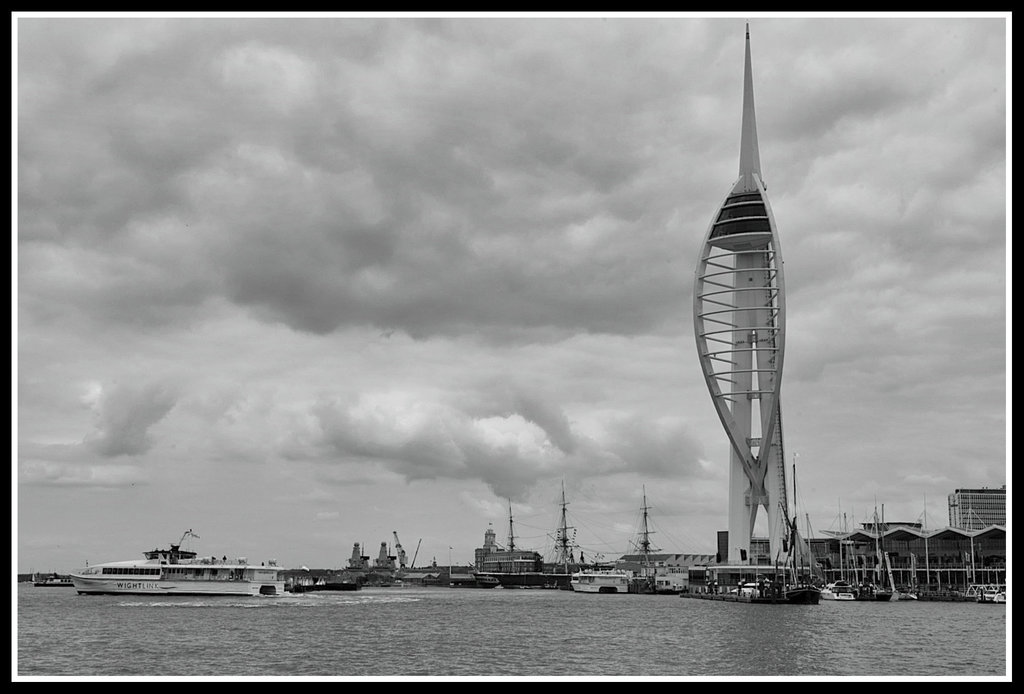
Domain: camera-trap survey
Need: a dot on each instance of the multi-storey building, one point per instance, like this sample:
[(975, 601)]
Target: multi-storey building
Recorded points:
[(974, 509)]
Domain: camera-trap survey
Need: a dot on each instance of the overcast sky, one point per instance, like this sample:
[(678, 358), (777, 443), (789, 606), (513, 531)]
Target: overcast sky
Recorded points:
[(297, 283)]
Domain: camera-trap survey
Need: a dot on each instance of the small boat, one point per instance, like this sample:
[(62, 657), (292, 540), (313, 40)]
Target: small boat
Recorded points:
[(177, 571), (53, 580), (601, 581), (838, 590), (473, 580), (665, 584), (992, 595)]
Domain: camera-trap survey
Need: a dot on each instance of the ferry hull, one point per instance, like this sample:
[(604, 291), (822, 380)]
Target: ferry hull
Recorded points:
[(96, 586), (599, 588)]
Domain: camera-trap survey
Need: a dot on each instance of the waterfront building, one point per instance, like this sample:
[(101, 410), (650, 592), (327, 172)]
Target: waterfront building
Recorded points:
[(492, 558), (974, 509), (740, 328), (928, 560)]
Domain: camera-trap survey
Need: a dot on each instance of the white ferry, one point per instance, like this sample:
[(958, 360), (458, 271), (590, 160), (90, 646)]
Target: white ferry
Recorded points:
[(176, 571), (601, 581)]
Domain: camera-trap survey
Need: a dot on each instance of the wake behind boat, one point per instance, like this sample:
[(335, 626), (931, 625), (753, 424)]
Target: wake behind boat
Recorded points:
[(177, 571)]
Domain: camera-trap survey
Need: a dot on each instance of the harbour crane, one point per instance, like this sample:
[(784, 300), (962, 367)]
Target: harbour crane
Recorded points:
[(415, 554), (398, 550)]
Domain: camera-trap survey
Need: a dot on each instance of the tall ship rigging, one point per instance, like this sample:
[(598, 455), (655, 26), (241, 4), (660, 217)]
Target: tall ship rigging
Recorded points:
[(525, 568)]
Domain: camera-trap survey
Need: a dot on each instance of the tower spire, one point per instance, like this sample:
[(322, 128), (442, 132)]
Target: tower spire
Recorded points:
[(739, 313), (750, 159)]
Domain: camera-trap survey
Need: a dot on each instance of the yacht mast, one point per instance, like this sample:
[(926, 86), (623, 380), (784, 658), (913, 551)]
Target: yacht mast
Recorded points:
[(796, 536), (878, 549), (927, 578)]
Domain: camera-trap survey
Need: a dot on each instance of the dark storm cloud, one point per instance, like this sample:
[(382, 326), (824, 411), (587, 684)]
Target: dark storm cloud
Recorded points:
[(338, 200)]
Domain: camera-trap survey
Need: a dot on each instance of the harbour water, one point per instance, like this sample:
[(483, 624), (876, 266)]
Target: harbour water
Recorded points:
[(424, 633)]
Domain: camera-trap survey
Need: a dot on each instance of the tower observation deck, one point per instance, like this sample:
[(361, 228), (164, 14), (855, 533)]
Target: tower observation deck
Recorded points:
[(739, 316)]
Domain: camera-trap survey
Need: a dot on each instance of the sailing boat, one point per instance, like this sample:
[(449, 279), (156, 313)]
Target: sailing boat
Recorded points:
[(789, 585), (885, 589), (912, 593), (798, 589), (839, 589)]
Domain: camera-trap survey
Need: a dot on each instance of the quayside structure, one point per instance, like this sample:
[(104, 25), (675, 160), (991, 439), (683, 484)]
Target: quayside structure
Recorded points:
[(739, 313)]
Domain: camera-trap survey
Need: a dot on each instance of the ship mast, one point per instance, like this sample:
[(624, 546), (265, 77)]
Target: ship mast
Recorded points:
[(563, 546), (511, 535), (645, 538)]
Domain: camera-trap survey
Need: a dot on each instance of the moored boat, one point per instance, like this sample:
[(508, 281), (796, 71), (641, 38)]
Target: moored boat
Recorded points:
[(775, 591), (804, 594), (991, 594), (473, 580), (601, 581), (176, 571), (838, 590), (665, 584)]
